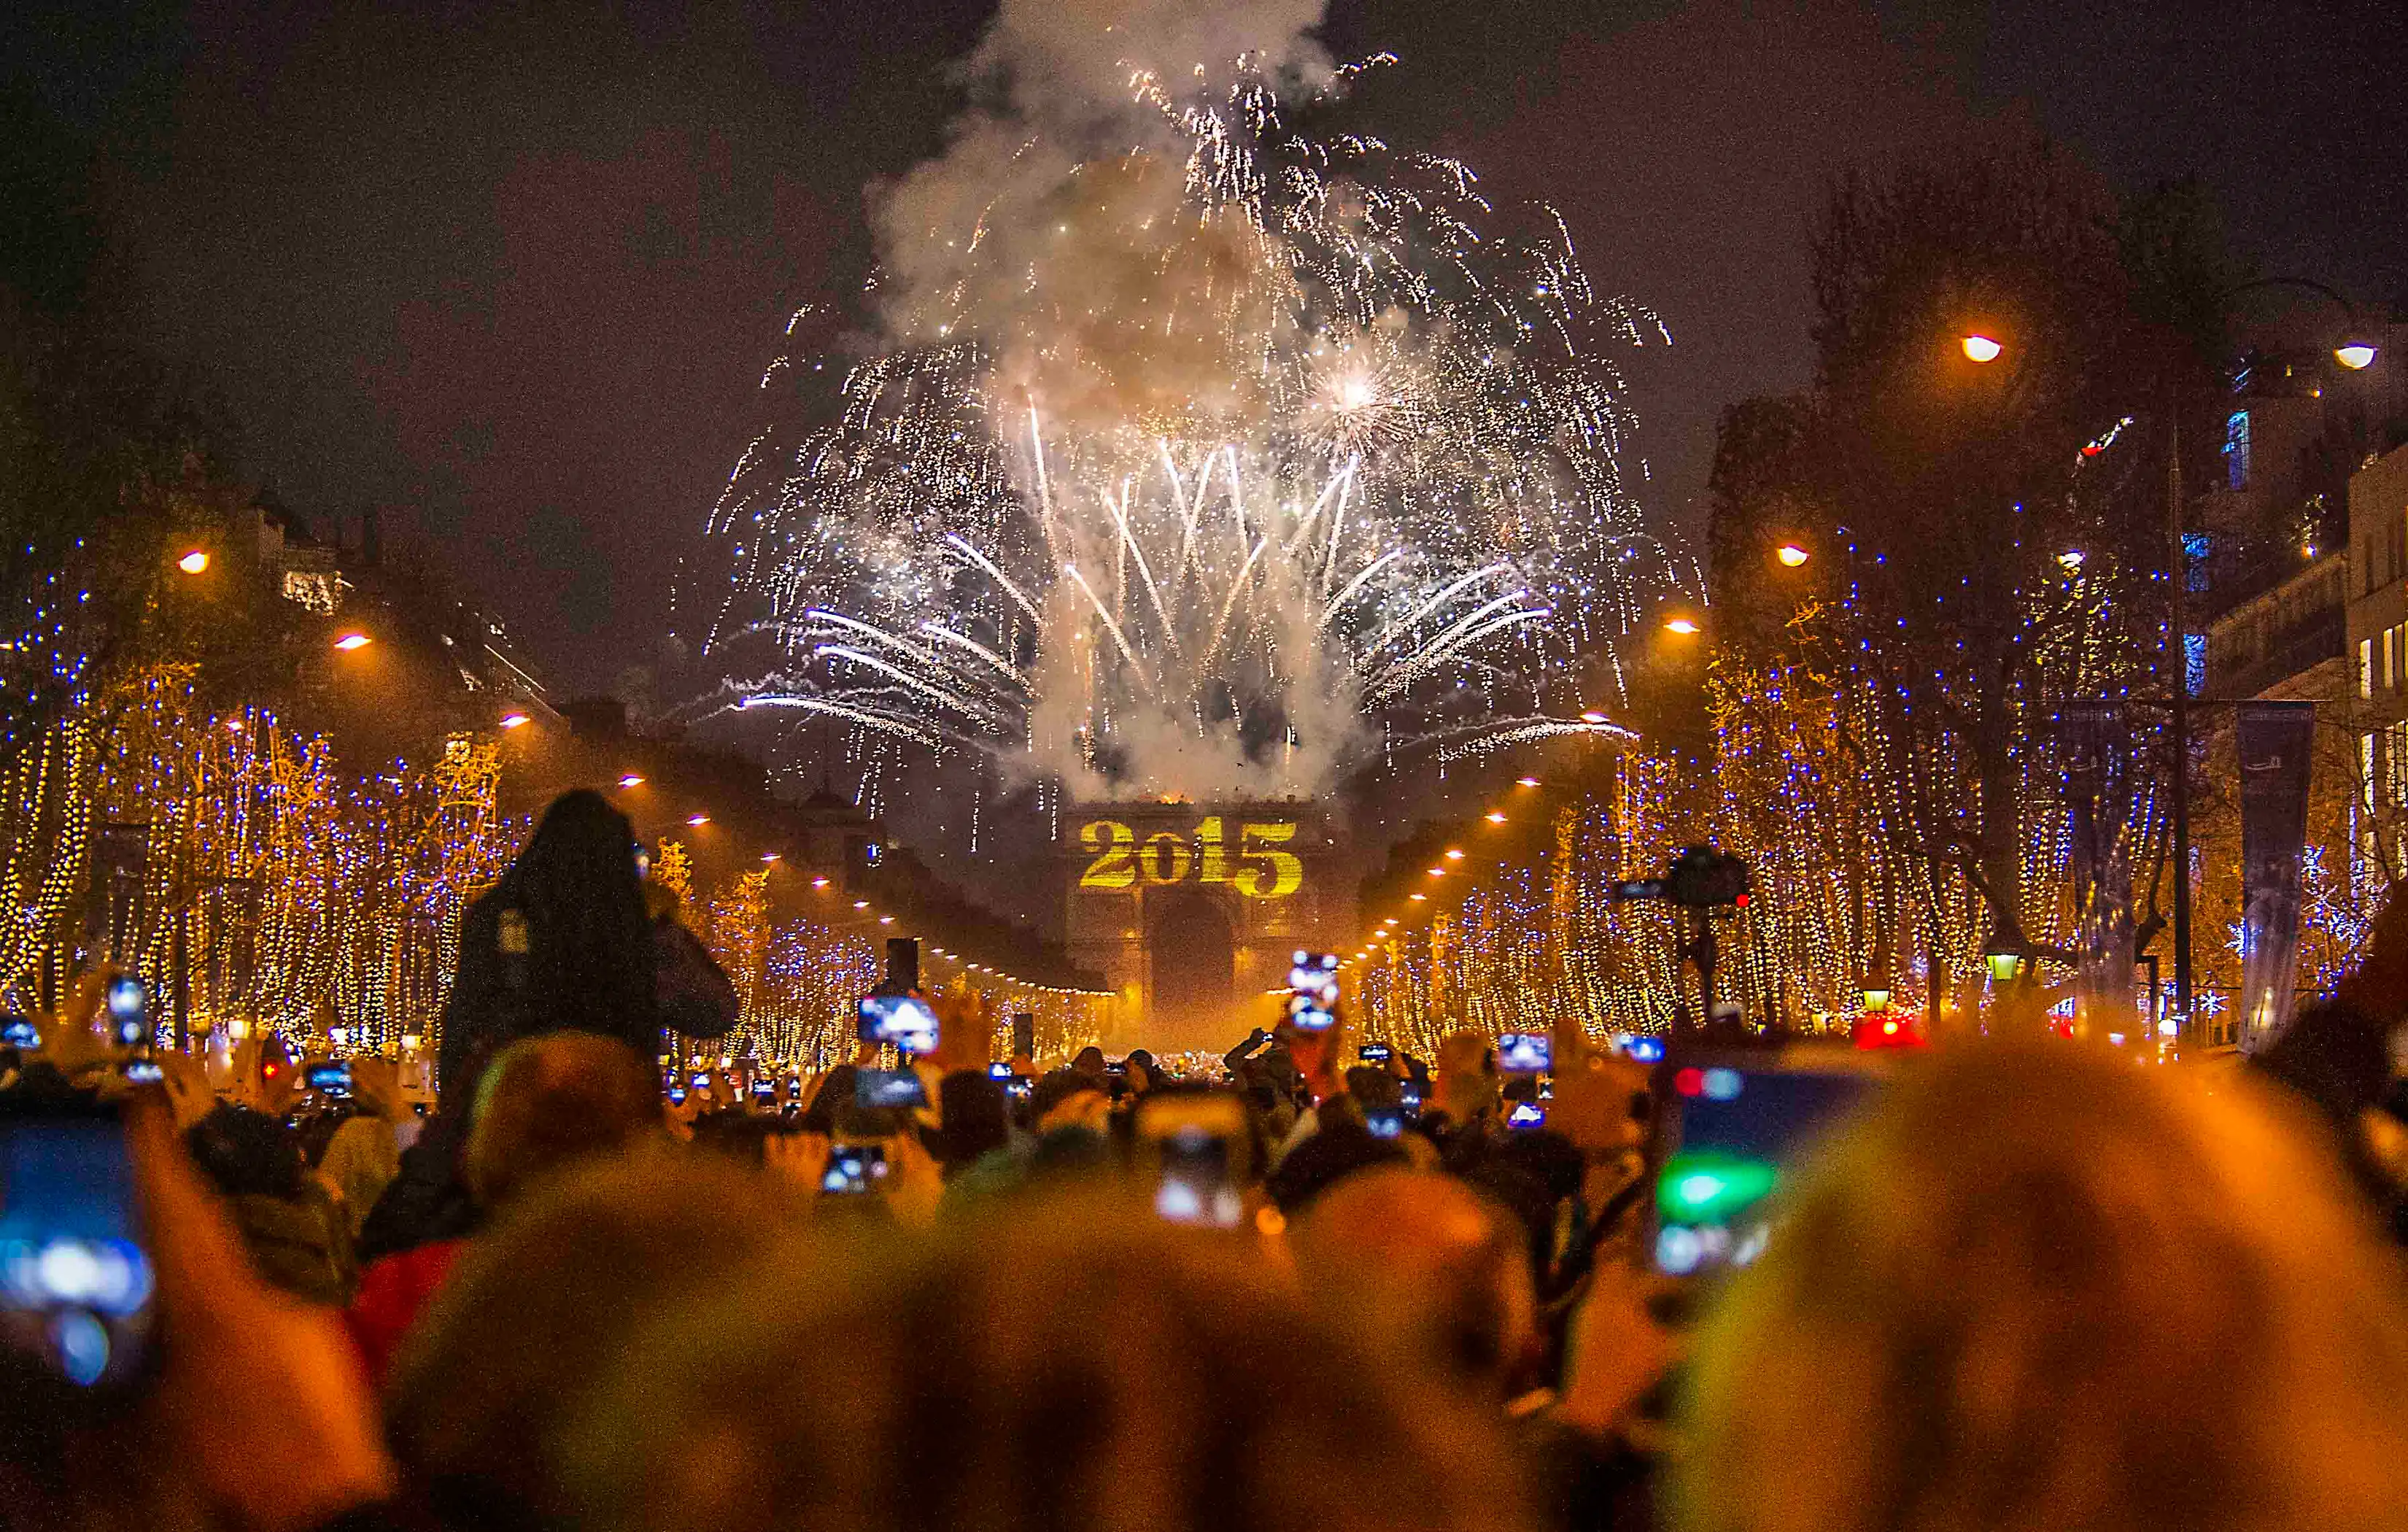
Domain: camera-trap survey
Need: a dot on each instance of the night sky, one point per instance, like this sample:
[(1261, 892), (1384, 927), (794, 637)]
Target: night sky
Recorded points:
[(511, 274)]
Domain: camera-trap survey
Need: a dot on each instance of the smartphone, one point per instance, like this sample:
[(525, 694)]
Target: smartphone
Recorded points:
[(1525, 1054), (18, 1033), (903, 1020), (853, 1170), (329, 1078), (794, 1087), (75, 1278), (1731, 1132), (1386, 1122), (1019, 1087), (1639, 1048), (999, 1071), (143, 1072), (676, 1096), (1313, 992), (1193, 1139), (1527, 1114), (129, 1011), (888, 1088), (764, 1090), (701, 1081), (1376, 1052)]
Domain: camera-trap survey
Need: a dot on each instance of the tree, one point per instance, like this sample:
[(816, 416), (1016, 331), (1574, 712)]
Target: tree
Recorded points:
[(1983, 549)]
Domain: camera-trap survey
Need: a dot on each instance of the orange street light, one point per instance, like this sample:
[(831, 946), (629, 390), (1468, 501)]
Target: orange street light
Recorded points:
[(861, 904), (197, 560), (1791, 555), (770, 856), (698, 821), (350, 641), (1497, 816), (1525, 781), (1455, 854), (1420, 899), (631, 779), (1980, 348), (1437, 872), (820, 883), (2356, 355), (514, 721), (1685, 627)]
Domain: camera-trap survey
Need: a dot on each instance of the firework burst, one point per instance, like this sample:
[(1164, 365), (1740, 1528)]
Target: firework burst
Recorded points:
[(1213, 464)]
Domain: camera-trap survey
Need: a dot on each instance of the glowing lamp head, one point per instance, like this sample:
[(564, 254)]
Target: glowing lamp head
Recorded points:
[(1790, 555), (770, 856), (631, 779), (2356, 355), (819, 883), (1685, 627), (697, 820), (1525, 781), (1455, 854), (1495, 816), (1980, 348), (197, 560), (350, 641), (2072, 558), (514, 721), (1591, 718)]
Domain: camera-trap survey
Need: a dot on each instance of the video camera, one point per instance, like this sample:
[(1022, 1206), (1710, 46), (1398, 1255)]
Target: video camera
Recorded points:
[(1701, 877)]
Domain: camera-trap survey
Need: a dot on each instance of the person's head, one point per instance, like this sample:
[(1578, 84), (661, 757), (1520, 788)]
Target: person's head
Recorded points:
[(890, 1384), (1343, 1146), (248, 1153), (589, 942), (1426, 1261), (2049, 1289), (537, 1310), (1068, 1098), (1089, 1061), (549, 1102)]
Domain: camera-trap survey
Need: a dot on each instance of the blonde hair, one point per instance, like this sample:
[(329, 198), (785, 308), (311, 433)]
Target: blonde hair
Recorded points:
[(1075, 1366), (2052, 1289)]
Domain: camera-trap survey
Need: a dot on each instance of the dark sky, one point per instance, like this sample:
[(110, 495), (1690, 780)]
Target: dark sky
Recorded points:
[(512, 273)]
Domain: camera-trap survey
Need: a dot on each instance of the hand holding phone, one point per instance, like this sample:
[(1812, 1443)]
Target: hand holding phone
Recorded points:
[(1313, 992)]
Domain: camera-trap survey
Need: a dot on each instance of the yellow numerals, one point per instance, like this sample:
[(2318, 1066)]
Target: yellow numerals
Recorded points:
[(1261, 869)]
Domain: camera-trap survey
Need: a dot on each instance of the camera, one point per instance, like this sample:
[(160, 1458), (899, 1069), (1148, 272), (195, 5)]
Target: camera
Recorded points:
[(1701, 877)]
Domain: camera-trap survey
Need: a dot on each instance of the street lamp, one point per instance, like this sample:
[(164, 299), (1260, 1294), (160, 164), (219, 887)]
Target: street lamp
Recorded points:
[(1980, 348), (350, 641), (197, 560), (2356, 355), (514, 721), (631, 779), (1790, 555), (1685, 627)]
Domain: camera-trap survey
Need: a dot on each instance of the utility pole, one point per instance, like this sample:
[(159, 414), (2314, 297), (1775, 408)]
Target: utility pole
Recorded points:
[(2178, 575)]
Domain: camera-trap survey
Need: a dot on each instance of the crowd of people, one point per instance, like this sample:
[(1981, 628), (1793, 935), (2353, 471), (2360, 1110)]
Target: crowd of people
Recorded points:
[(2028, 1285)]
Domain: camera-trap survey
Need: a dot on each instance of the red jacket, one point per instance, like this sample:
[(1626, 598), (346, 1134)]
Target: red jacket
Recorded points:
[(394, 1291)]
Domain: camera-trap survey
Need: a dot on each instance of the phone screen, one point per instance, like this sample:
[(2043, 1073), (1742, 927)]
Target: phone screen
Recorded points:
[(1527, 1114), (764, 1090), (700, 1082), (329, 1078), (128, 1003), (1386, 1122), (1377, 1053), (902, 1019), (853, 1170), (16, 1032), (1190, 1138), (888, 1088), (75, 1281), (1732, 1134), (1525, 1054), (1313, 992)]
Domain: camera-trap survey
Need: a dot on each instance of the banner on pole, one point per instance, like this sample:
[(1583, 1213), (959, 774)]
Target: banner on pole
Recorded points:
[(2275, 741), (2099, 797)]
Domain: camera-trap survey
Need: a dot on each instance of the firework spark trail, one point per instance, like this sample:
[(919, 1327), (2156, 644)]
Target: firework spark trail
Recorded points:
[(1140, 415)]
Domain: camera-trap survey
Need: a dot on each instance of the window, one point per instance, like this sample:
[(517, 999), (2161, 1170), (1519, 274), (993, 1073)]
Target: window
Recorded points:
[(2395, 764), (2366, 671), (2236, 449), (2197, 546), (2390, 676), (2194, 663), (2366, 771)]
